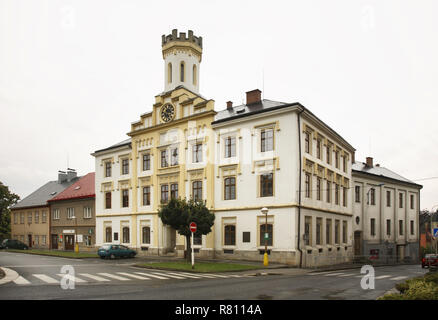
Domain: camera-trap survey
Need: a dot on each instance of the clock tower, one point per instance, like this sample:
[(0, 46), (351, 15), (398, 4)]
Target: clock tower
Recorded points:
[(182, 55)]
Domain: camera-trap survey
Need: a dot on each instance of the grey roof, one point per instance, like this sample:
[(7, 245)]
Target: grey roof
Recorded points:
[(44, 193), (380, 172), (120, 144), (245, 110)]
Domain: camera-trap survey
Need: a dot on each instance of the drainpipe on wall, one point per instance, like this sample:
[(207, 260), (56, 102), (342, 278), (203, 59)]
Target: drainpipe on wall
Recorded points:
[(299, 187)]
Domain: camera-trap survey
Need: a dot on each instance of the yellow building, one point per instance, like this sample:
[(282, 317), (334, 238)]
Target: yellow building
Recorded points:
[(170, 153)]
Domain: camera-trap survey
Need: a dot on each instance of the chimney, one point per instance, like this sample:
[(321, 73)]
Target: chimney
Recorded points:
[(71, 174), (62, 176), (253, 96), (369, 162), (229, 105)]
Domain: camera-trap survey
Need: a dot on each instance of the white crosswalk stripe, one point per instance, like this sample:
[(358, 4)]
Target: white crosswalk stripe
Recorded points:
[(113, 276), (168, 275), (334, 274), (237, 276), (185, 275), (218, 275), (152, 275), (318, 273), (399, 278), (72, 278), (383, 277), (347, 275), (45, 278), (94, 277), (20, 280), (133, 276)]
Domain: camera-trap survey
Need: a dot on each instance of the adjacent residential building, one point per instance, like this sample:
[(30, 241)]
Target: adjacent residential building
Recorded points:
[(72, 218), (169, 154), (30, 217), (386, 210)]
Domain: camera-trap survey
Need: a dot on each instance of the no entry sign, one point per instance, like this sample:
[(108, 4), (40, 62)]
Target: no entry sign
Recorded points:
[(193, 227)]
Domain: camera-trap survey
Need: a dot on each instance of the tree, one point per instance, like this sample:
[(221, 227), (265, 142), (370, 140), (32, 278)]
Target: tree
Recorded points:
[(179, 213), (7, 199)]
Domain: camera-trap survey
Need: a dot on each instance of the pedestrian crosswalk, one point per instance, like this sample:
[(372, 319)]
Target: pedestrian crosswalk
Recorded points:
[(355, 275), (105, 277)]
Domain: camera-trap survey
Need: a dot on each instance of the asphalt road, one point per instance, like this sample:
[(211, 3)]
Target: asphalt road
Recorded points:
[(41, 278)]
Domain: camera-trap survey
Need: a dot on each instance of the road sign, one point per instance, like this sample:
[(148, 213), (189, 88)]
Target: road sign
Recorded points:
[(435, 232), (193, 227)]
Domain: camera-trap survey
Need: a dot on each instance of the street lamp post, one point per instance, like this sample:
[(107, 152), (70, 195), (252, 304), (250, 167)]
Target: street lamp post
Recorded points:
[(265, 256)]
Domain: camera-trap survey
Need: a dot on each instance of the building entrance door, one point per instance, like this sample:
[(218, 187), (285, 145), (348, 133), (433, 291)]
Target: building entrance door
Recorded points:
[(29, 238), (54, 241), (69, 242), (357, 243)]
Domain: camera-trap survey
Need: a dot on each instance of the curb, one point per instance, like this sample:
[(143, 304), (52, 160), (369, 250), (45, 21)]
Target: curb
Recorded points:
[(10, 275), (392, 291)]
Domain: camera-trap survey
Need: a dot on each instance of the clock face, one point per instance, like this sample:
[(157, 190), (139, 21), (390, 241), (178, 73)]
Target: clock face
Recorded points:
[(167, 112)]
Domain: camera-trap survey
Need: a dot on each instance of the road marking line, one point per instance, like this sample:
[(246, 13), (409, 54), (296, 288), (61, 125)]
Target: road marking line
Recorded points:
[(97, 278), (21, 281), (347, 275), (45, 278), (217, 275), (71, 277), (399, 278), (109, 275), (152, 275), (334, 274), (168, 275), (133, 276), (318, 273), (185, 275), (237, 276), (383, 277)]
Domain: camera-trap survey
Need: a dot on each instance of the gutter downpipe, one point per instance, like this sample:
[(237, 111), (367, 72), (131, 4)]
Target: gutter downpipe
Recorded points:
[(299, 187)]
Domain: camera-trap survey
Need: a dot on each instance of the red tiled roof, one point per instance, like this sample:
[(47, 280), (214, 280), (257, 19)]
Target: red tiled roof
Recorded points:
[(83, 188)]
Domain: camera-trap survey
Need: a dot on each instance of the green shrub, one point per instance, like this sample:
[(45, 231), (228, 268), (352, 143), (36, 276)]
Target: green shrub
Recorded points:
[(402, 287), (392, 296), (421, 290)]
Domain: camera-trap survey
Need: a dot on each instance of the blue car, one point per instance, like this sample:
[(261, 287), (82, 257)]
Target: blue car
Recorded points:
[(113, 251)]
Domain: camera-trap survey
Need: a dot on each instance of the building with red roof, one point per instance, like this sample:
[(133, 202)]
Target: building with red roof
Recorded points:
[(72, 216)]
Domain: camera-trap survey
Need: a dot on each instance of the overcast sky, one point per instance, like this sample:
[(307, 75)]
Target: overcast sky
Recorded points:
[(75, 74)]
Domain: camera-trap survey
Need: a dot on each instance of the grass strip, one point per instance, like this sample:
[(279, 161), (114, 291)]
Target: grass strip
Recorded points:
[(64, 254), (202, 267)]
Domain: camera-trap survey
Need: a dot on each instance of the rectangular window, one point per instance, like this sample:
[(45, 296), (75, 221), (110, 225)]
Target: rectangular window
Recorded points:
[(267, 140), (108, 169), (197, 153), (307, 185), (400, 227), (308, 231), (400, 200), (388, 227), (164, 193), (230, 147), (70, 213), (372, 196), (37, 217), (388, 198), (344, 231), (318, 231), (29, 217), (266, 185), (146, 162), (373, 226), (344, 163), (230, 235), (337, 159), (263, 230), (337, 231), (329, 154), (329, 192), (306, 142), (230, 188), (197, 240), (336, 194), (344, 196), (174, 157), (412, 228), (87, 212), (164, 161), (318, 188), (107, 200), (357, 194), (246, 236), (146, 238), (15, 218), (174, 191), (197, 190), (22, 218), (125, 198), (125, 166), (147, 196), (43, 217), (412, 201), (318, 148), (43, 240)]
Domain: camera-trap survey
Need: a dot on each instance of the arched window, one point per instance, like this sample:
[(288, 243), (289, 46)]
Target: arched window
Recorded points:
[(195, 80), (125, 234), (169, 72), (182, 71), (108, 232), (146, 235)]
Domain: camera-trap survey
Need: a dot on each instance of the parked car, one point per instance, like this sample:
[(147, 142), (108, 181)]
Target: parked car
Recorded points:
[(430, 260), (13, 244), (113, 251)]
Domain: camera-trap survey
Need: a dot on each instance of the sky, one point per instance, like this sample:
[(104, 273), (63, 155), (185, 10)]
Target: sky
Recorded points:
[(74, 74)]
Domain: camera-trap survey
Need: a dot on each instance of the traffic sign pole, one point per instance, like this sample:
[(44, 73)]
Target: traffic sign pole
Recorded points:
[(193, 227)]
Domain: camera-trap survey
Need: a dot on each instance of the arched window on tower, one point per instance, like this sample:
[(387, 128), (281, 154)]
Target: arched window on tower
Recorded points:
[(195, 80), (169, 73), (182, 71)]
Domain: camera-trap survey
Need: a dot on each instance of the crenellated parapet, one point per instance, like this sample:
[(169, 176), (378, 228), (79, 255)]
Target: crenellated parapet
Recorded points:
[(182, 37)]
